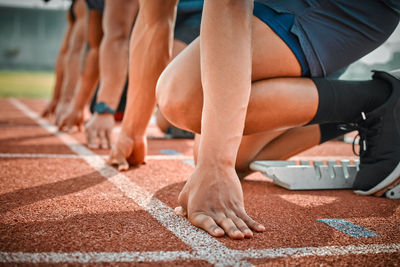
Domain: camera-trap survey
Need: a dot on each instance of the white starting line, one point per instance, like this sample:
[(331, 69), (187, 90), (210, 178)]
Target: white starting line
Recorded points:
[(74, 156), (160, 256), (204, 246)]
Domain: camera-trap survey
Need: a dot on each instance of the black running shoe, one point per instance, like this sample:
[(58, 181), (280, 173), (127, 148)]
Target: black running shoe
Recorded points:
[(380, 143)]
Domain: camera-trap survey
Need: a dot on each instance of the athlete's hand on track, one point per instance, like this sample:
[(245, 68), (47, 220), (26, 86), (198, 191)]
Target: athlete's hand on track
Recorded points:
[(50, 108), (73, 117), (212, 199), (98, 130), (128, 150), (61, 110)]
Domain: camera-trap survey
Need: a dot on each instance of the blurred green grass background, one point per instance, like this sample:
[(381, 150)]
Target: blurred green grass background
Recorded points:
[(26, 84)]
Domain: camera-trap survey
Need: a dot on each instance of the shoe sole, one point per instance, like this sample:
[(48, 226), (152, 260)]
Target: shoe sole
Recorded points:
[(388, 183)]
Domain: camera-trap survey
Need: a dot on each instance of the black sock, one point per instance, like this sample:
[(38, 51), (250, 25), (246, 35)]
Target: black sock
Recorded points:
[(343, 101), (330, 131)]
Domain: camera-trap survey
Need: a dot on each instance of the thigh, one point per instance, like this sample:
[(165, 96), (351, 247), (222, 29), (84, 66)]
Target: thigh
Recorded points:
[(271, 58)]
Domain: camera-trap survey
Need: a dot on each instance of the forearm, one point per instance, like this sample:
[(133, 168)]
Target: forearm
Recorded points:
[(59, 69), (88, 80), (225, 53), (72, 61), (150, 52), (60, 62), (113, 71)]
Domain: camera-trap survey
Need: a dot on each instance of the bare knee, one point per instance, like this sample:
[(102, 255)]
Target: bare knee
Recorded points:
[(175, 102), (168, 98)]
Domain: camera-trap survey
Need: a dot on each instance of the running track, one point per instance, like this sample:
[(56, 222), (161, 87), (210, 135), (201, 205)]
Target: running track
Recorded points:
[(60, 204)]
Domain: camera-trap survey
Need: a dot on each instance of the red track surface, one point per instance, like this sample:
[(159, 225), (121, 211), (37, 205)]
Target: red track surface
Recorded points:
[(58, 207)]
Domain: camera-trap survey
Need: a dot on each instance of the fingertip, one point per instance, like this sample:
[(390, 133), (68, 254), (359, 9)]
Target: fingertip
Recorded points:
[(260, 228), (248, 233), (237, 235), (103, 146), (218, 232), (180, 211), (123, 167)]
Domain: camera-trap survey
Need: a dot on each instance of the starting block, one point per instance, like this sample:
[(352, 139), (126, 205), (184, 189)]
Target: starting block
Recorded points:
[(304, 176), (315, 175)]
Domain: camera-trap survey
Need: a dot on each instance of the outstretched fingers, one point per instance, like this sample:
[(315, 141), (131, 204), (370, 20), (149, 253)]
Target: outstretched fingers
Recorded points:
[(241, 225), (250, 222), (207, 223), (232, 225)]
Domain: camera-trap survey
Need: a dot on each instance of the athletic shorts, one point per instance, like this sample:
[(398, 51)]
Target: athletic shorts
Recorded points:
[(96, 5), (188, 20), (71, 11), (334, 33), (281, 23)]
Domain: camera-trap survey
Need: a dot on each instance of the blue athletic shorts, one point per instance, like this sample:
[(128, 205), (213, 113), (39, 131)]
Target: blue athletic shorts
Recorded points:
[(96, 5), (281, 23), (188, 20)]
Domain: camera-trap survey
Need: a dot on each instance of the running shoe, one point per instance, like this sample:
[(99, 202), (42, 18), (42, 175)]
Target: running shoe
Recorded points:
[(379, 132)]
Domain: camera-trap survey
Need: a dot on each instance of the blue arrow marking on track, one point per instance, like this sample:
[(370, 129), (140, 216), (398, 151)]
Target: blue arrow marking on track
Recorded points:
[(189, 162), (170, 152), (348, 228)]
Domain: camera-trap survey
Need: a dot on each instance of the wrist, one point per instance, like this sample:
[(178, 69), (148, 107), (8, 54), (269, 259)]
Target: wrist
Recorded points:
[(213, 153), (127, 133), (215, 161), (103, 108)]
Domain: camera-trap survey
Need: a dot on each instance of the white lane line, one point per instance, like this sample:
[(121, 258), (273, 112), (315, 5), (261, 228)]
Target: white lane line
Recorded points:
[(38, 155), (74, 156), (148, 157), (150, 256), (204, 246), (91, 257), (322, 251)]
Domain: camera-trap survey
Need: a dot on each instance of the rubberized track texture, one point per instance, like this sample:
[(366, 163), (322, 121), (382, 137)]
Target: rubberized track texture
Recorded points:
[(61, 204)]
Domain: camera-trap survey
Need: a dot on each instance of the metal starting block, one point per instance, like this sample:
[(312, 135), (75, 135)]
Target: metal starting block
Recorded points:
[(303, 175)]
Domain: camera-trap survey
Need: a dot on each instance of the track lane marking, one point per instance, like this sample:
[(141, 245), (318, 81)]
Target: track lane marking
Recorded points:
[(323, 251), (348, 228), (170, 152), (150, 256), (74, 156), (204, 246), (189, 162), (92, 257)]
